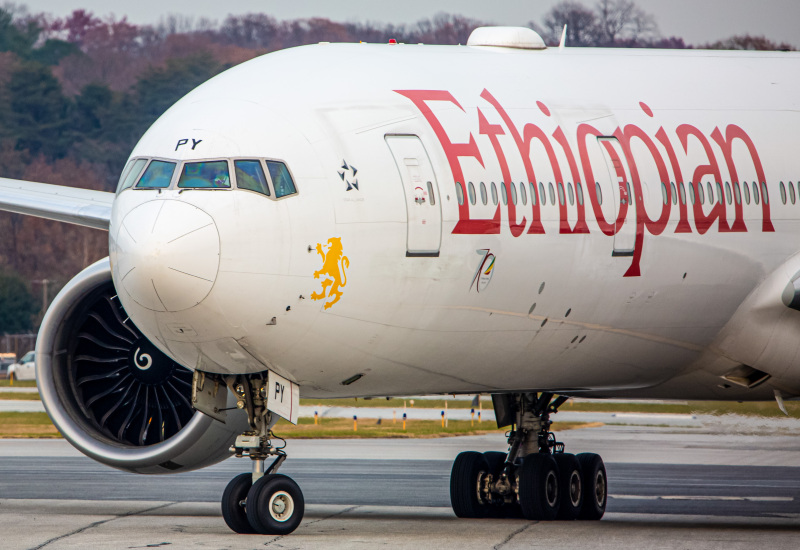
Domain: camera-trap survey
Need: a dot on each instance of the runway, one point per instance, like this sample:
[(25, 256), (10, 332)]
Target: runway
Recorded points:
[(667, 487)]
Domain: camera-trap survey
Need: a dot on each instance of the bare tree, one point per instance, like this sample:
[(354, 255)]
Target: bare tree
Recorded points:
[(623, 20), (582, 24), (747, 42)]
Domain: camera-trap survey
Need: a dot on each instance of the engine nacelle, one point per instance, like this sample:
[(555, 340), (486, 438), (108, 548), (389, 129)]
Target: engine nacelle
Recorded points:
[(113, 394)]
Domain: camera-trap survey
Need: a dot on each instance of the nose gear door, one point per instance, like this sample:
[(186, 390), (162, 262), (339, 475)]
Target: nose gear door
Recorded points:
[(421, 192)]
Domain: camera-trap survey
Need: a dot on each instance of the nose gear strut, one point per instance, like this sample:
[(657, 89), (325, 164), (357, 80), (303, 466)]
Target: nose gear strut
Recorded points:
[(264, 501)]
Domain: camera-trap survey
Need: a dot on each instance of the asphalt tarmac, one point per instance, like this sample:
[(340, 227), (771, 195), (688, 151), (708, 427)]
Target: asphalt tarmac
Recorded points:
[(669, 488)]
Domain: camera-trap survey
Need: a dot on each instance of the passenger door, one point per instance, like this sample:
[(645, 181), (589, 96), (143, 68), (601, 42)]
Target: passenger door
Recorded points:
[(423, 205), (619, 174)]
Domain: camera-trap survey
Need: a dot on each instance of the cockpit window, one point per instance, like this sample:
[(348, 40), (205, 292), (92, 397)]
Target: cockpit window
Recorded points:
[(157, 176), (250, 175), (205, 175), (281, 179), (130, 174)]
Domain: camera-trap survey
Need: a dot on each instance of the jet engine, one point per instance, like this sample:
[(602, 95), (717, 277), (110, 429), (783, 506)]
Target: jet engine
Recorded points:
[(113, 394)]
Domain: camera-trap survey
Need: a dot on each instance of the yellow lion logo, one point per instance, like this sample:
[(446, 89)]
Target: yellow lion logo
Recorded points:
[(333, 264)]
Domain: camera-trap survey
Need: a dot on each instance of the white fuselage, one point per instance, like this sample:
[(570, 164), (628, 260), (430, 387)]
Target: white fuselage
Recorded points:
[(445, 290)]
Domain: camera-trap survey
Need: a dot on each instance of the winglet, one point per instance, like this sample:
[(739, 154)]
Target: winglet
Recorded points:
[(563, 41)]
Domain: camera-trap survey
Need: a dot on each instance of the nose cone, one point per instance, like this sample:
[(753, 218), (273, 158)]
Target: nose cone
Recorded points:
[(167, 255)]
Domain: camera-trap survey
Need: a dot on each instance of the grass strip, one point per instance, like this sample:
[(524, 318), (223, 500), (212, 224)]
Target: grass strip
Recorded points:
[(26, 425), (8, 396), (38, 425), (342, 428), (18, 383)]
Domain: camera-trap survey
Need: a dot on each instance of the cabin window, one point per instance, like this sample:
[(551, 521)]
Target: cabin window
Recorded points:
[(737, 193), (459, 193), (522, 194), (570, 194), (533, 192), (561, 194), (701, 196), (484, 196), (764, 194), (746, 189), (728, 192), (674, 192), (683, 193), (598, 193), (250, 175), (692, 196), (664, 193), (504, 193), (783, 193), (130, 174), (157, 176), (579, 192), (431, 195), (471, 191), (756, 198), (552, 193), (494, 194), (710, 193), (792, 196), (542, 195), (513, 192), (281, 179)]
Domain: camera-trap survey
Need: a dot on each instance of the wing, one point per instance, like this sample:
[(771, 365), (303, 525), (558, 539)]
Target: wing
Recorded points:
[(57, 202)]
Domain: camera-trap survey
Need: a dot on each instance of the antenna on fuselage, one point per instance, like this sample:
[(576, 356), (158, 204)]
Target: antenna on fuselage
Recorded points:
[(563, 41)]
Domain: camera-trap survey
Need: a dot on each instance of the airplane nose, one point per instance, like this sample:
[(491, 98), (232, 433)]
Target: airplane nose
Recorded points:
[(167, 255)]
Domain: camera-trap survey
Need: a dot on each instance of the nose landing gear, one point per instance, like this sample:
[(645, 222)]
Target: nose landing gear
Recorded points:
[(536, 479), (263, 502)]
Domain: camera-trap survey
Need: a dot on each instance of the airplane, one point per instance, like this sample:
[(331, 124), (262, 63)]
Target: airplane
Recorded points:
[(329, 221)]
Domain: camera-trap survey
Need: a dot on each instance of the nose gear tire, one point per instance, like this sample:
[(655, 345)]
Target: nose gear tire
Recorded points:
[(234, 514), (275, 505)]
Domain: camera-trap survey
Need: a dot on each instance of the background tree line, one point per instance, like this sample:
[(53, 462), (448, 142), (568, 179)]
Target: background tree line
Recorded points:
[(76, 94)]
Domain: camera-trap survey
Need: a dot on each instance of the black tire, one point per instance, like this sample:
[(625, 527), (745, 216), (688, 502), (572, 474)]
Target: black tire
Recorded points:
[(468, 468), (233, 512), (275, 505), (571, 486), (538, 487), (595, 484)]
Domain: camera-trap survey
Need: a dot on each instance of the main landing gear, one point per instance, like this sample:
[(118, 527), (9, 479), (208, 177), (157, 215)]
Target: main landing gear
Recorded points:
[(264, 502), (536, 479)]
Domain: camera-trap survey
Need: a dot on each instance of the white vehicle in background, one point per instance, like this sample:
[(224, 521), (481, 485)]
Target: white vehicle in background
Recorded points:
[(24, 369)]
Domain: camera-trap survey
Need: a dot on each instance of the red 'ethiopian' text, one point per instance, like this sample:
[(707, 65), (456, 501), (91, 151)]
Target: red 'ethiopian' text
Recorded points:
[(669, 170)]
